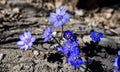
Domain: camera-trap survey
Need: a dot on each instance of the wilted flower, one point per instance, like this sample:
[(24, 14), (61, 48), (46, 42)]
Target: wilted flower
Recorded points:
[(96, 36), (47, 34), (26, 40), (59, 18)]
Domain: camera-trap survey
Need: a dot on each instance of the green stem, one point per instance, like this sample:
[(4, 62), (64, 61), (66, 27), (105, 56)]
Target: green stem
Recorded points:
[(35, 48), (40, 49), (56, 40), (62, 31)]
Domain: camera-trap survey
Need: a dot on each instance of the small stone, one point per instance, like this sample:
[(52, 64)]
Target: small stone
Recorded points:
[(108, 15), (46, 45), (3, 2), (87, 39), (16, 10), (54, 33), (79, 12), (117, 30), (35, 52), (110, 10), (83, 68), (1, 56), (108, 42)]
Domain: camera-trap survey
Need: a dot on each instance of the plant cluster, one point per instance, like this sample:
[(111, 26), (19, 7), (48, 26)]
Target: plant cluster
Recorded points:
[(70, 48)]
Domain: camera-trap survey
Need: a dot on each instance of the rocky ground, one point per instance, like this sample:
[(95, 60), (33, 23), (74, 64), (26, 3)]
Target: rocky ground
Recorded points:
[(19, 16)]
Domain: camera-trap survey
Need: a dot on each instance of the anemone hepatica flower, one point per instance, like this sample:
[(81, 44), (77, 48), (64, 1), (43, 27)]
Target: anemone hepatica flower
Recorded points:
[(117, 63), (115, 70), (68, 51), (75, 60), (26, 40), (59, 48), (69, 45), (96, 36), (119, 53), (47, 33), (67, 34), (59, 18)]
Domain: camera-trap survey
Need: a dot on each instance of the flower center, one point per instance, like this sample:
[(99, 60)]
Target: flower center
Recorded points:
[(69, 46), (26, 41), (59, 17), (47, 33), (75, 58), (68, 36), (96, 35)]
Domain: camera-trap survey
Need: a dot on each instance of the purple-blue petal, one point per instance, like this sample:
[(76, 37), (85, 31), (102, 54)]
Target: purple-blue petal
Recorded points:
[(60, 23), (21, 37), (63, 10), (57, 11), (64, 21), (80, 61), (33, 39), (28, 34), (20, 43), (26, 47), (30, 44), (59, 48), (25, 35), (66, 16), (46, 39), (22, 47), (115, 70), (53, 15), (52, 19), (56, 24)]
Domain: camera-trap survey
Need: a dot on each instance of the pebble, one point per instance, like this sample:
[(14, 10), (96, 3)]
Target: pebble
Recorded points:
[(117, 30), (1, 56), (108, 42), (3, 2), (79, 13), (83, 68), (87, 38), (16, 10), (35, 52), (108, 15)]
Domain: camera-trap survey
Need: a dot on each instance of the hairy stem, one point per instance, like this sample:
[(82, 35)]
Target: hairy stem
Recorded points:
[(56, 40), (62, 31)]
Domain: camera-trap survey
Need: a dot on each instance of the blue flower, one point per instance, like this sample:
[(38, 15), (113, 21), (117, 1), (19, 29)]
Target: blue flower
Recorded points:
[(59, 48), (117, 63), (67, 34), (59, 18), (115, 70), (66, 51), (68, 46), (74, 38), (26, 40), (47, 33), (75, 60), (96, 36), (119, 53)]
